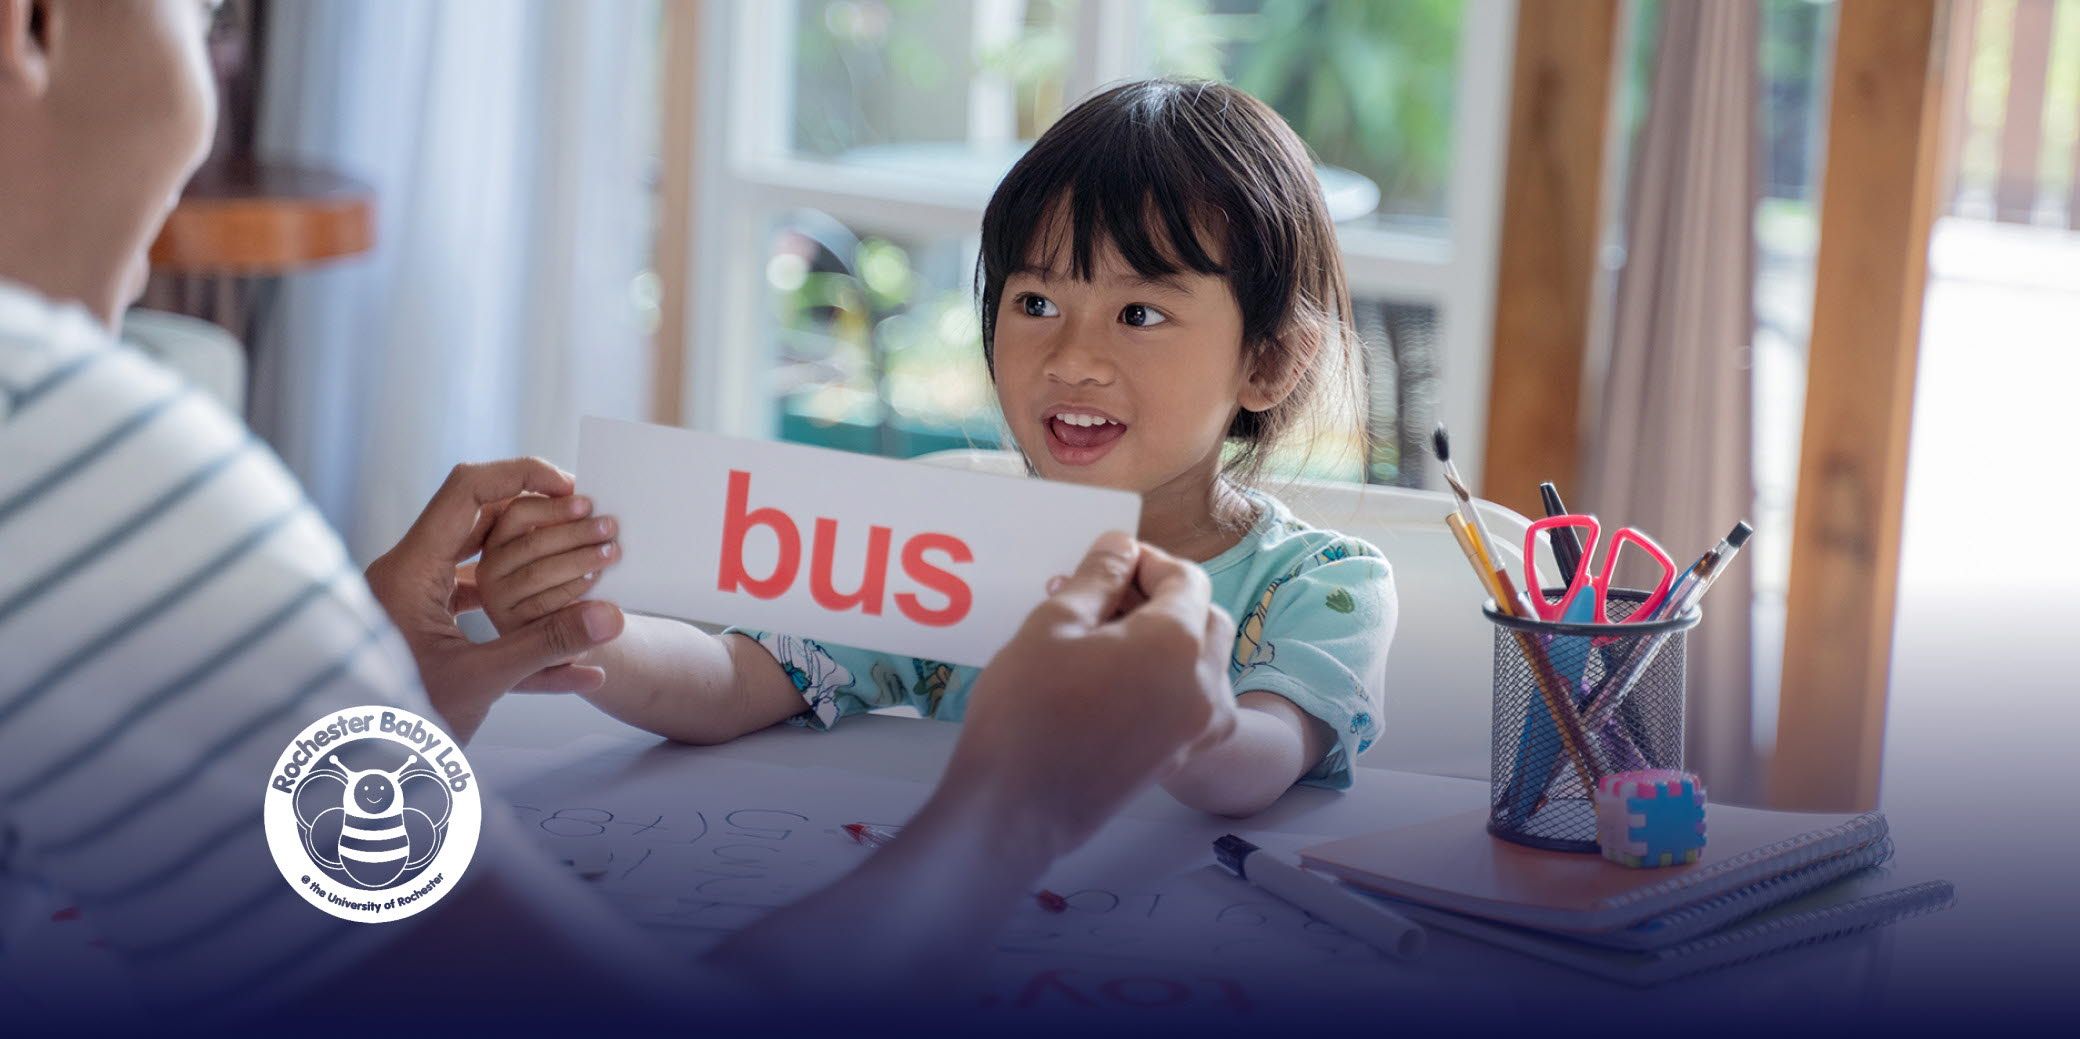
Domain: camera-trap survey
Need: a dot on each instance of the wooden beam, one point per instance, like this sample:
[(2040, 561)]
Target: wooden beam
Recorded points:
[(1876, 207), (673, 252), (1552, 187)]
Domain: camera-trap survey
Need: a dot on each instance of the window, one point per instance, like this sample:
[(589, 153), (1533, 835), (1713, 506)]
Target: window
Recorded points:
[(1369, 86), (845, 150), (877, 347), (907, 82)]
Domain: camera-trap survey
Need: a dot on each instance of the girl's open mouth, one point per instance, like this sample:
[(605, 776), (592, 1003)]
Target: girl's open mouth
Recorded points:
[(1081, 437)]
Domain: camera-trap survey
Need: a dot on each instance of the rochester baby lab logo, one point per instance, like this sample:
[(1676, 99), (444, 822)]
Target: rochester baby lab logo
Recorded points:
[(371, 814)]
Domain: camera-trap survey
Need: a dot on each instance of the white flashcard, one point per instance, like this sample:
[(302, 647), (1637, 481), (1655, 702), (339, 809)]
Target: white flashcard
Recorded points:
[(876, 553)]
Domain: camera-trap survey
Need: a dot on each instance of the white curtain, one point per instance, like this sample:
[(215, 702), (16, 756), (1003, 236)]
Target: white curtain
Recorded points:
[(508, 144), (1673, 449)]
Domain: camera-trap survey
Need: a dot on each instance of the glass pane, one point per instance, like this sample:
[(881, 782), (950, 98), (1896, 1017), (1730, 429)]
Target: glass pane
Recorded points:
[(910, 84), (1992, 410), (1383, 435), (1403, 373), (1370, 86), (878, 348)]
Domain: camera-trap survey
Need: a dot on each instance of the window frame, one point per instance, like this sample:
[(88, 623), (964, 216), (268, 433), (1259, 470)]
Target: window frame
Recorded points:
[(742, 173)]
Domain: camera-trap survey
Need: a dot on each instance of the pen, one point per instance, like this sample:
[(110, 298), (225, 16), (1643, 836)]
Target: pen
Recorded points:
[(1322, 898), (1567, 545)]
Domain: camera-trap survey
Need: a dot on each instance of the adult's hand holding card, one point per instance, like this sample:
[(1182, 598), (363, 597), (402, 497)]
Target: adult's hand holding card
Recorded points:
[(871, 552)]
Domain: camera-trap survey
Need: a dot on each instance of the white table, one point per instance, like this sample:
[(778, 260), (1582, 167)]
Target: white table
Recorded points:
[(1898, 972)]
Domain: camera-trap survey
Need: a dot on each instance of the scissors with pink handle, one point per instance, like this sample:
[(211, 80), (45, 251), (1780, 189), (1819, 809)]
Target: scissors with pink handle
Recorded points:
[(1586, 600), (1572, 607)]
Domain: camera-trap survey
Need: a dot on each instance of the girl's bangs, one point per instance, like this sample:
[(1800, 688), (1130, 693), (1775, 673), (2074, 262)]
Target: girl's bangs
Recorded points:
[(1055, 213)]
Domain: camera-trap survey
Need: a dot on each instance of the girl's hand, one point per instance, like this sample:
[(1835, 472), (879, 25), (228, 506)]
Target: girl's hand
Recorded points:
[(540, 555), (422, 589)]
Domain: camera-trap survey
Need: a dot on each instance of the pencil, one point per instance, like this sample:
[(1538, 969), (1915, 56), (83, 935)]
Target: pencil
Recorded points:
[(1551, 687), (1474, 558)]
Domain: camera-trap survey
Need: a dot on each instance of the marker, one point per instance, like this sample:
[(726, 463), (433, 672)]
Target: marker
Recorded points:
[(875, 837), (1708, 568), (1322, 898)]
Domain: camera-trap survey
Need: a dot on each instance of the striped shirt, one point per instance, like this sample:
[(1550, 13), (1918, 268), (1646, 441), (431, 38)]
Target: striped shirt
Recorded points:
[(172, 611)]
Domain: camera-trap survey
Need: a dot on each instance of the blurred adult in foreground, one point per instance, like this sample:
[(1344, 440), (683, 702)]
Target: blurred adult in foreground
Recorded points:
[(172, 613)]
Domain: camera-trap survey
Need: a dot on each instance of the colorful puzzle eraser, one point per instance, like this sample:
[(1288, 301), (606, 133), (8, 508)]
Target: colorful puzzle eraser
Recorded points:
[(1651, 817)]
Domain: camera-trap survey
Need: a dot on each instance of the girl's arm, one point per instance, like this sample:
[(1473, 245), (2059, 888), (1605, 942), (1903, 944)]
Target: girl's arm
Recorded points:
[(542, 553), (684, 684), (1273, 745)]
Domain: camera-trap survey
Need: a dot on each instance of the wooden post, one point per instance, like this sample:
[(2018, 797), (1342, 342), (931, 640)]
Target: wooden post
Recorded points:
[(679, 79), (1877, 204), (1551, 220)]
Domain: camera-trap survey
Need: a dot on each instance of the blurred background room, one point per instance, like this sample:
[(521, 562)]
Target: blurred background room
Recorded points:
[(1811, 262)]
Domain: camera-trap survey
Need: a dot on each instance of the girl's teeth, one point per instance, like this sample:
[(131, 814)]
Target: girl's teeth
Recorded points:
[(1082, 420)]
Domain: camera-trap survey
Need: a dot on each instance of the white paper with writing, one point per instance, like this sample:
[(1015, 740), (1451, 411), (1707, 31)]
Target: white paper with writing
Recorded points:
[(781, 537), (694, 846)]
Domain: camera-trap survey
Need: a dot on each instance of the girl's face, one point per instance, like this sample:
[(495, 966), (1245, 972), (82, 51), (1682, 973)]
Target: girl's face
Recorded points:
[(1121, 381)]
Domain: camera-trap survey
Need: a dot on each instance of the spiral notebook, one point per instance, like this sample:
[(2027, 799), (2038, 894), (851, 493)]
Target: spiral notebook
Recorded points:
[(1868, 898), (1701, 918), (1454, 864)]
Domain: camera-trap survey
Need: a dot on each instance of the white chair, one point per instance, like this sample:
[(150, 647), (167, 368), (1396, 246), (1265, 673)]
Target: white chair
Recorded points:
[(202, 353), (1438, 671)]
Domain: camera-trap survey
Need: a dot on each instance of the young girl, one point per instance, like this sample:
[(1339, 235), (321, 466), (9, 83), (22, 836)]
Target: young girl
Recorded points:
[(1162, 303)]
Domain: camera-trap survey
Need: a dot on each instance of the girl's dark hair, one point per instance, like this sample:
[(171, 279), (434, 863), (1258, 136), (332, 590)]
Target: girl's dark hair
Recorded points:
[(1153, 166)]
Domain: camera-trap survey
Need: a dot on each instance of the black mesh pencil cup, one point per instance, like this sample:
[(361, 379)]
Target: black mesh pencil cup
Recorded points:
[(1624, 687)]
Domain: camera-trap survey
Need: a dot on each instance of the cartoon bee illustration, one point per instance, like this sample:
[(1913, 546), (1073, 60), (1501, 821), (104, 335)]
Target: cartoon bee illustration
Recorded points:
[(373, 826)]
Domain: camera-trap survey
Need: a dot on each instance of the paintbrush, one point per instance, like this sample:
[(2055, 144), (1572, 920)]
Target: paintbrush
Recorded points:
[(1483, 542)]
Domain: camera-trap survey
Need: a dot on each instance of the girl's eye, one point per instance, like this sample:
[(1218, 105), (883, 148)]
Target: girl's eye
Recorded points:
[(1037, 306), (1140, 315)]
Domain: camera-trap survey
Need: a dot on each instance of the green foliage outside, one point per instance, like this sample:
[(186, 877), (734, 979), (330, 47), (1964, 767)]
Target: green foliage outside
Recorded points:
[(888, 358)]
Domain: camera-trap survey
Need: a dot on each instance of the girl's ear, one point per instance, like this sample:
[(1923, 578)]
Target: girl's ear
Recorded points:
[(1277, 371), (22, 66)]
